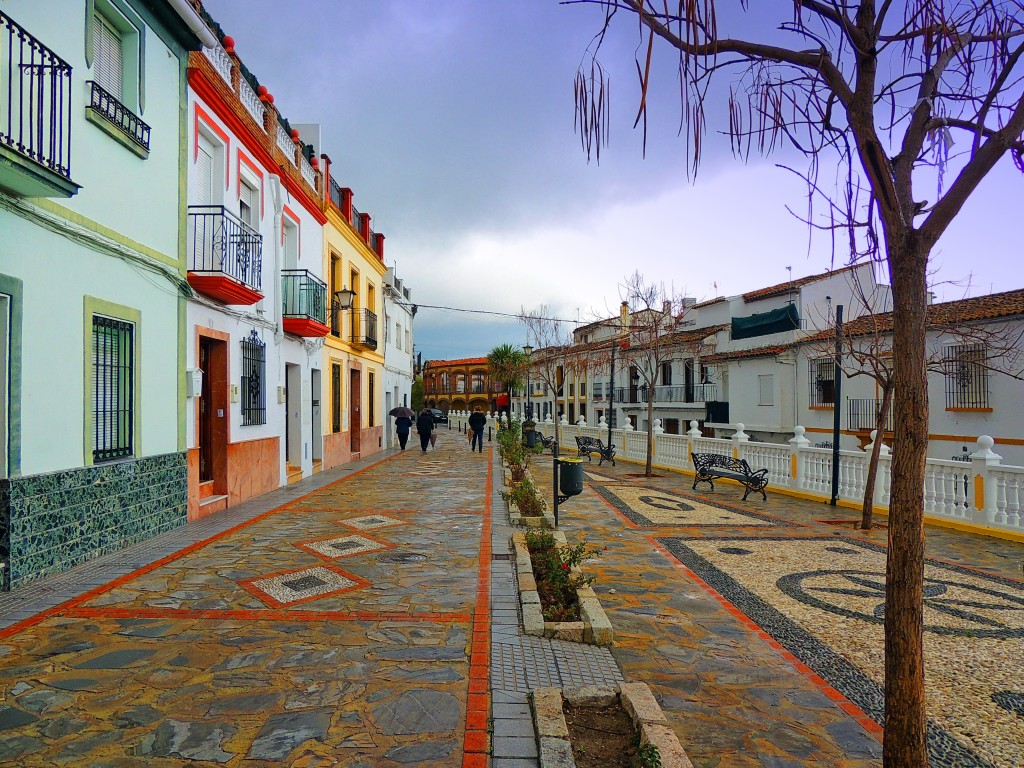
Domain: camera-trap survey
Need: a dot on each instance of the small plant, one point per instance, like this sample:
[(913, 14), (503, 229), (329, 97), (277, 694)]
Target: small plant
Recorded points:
[(524, 494), (648, 756), (556, 573)]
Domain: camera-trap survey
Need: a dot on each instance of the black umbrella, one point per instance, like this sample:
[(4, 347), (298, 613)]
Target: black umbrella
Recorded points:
[(401, 410)]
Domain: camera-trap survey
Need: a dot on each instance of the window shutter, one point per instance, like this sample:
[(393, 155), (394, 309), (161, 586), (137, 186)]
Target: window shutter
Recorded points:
[(108, 68), (204, 172)]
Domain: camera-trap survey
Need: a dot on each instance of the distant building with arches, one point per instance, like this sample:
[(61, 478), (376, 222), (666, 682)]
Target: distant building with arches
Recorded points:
[(461, 385)]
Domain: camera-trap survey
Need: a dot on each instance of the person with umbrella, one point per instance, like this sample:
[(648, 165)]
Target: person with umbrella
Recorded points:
[(403, 423), (425, 427)]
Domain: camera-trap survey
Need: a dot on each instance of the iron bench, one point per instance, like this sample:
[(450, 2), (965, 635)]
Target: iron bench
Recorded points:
[(711, 465), (588, 445)]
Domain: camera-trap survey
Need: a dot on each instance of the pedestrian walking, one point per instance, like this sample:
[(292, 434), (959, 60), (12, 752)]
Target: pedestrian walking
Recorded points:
[(477, 422), (402, 426), (425, 427)]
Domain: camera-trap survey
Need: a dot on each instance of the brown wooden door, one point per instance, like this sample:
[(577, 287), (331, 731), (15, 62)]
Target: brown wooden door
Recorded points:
[(355, 395), (206, 408)]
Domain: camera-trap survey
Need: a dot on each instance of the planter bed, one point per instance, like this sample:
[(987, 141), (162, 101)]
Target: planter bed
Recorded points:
[(515, 517), (594, 628), (555, 745)]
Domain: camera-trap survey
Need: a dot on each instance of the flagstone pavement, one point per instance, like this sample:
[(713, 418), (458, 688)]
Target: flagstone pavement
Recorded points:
[(367, 616)]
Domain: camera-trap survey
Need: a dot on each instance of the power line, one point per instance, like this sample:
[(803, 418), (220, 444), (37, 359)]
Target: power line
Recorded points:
[(479, 311)]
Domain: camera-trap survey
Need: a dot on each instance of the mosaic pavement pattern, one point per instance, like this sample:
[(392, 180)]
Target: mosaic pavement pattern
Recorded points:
[(343, 546), (822, 599), (302, 586), (648, 506)]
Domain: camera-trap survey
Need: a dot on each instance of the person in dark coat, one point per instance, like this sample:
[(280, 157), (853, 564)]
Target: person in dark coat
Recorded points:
[(477, 422), (402, 426), (425, 426)]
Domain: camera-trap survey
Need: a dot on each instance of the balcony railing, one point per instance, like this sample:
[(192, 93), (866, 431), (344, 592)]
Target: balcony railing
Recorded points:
[(106, 106), (862, 414), (716, 412), (357, 220), (222, 243), (303, 296), (364, 328), (336, 195), (666, 393), (35, 100)]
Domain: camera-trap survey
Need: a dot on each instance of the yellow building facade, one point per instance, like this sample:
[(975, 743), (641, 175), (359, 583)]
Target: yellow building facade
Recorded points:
[(352, 412)]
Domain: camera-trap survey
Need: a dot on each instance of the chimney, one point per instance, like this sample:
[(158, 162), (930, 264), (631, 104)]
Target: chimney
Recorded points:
[(624, 313)]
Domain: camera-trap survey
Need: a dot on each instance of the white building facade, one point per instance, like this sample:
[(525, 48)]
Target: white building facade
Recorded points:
[(399, 312), (91, 210)]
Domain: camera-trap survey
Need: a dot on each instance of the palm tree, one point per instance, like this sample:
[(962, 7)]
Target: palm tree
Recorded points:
[(508, 365)]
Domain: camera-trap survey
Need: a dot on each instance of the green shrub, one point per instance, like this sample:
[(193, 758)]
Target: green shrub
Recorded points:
[(524, 493)]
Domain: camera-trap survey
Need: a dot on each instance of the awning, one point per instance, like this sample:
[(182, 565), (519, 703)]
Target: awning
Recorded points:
[(503, 400), (765, 323)]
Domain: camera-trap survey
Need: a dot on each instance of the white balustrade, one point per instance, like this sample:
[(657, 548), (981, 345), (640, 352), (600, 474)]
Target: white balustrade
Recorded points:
[(774, 458), (307, 172), (250, 101), (285, 143), (220, 60)]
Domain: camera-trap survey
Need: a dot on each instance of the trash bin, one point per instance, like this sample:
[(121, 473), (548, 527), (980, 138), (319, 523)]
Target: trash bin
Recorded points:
[(529, 434), (570, 476)]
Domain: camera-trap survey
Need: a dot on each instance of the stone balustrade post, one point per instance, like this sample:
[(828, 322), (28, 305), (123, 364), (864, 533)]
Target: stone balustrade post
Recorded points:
[(739, 436), (691, 441), (797, 443), (982, 461)]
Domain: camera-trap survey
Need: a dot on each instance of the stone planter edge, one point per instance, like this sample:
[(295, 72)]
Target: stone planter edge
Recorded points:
[(594, 629), (554, 747)]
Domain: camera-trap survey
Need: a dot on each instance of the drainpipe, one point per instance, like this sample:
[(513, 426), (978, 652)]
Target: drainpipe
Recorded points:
[(278, 200)]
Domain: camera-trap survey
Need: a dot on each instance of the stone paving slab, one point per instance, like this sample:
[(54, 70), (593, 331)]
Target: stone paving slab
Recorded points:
[(201, 655)]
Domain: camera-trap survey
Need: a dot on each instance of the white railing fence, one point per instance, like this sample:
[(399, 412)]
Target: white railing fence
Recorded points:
[(983, 492)]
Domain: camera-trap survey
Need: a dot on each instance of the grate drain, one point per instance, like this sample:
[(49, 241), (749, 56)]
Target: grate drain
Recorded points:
[(500, 556)]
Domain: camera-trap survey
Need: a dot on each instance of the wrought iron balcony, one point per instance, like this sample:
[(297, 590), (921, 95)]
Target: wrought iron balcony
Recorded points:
[(304, 300), (666, 394), (35, 116), (862, 414), (364, 328), (105, 107), (226, 255)]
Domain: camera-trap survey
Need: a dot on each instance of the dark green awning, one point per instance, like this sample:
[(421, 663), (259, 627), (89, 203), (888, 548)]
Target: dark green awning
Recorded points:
[(763, 323)]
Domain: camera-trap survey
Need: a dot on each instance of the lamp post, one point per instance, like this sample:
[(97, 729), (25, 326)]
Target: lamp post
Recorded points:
[(528, 350), (611, 393)]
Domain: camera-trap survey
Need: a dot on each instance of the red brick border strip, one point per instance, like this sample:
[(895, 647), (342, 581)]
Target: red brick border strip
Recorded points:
[(476, 746), (261, 614)]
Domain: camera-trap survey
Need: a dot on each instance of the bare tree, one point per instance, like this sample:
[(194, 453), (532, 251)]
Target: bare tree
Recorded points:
[(881, 89), (551, 351), (652, 339)]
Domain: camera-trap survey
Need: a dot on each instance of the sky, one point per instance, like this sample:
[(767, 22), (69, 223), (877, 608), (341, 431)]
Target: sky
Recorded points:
[(452, 121)]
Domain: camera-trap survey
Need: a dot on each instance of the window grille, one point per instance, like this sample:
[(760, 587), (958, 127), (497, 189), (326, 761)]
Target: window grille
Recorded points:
[(335, 398), (113, 370), (966, 372), (254, 377), (822, 381)]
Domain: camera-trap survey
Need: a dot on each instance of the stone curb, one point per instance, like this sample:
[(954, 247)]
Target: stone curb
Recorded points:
[(594, 629), (637, 700)]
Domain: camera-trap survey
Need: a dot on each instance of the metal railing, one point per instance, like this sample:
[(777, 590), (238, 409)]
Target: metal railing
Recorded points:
[(862, 414), (336, 195), (665, 393), (118, 115), (223, 243), (35, 99), (364, 328), (357, 220), (303, 295), (374, 242)]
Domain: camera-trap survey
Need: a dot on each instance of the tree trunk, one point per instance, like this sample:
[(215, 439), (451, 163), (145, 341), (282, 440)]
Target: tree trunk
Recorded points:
[(867, 508), (904, 743), (649, 468)]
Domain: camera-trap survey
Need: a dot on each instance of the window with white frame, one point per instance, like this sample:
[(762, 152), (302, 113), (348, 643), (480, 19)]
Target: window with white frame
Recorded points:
[(248, 204), (965, 369), (398, 335), (766, 389)]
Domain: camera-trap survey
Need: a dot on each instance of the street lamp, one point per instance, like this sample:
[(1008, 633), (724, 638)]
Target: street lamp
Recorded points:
[(528, 350), (344, 298)]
